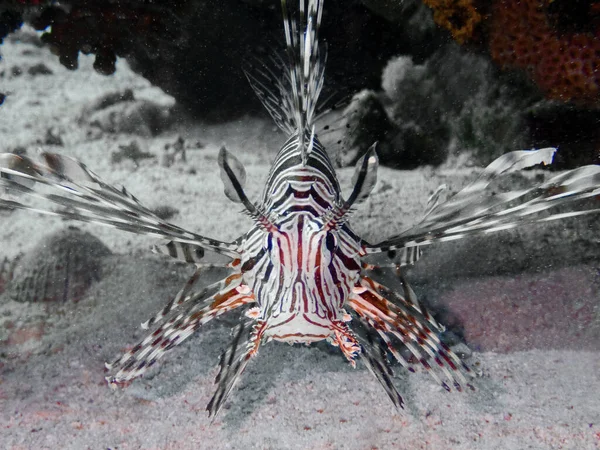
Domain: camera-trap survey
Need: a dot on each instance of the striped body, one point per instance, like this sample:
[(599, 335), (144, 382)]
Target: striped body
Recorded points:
[(299, 273)]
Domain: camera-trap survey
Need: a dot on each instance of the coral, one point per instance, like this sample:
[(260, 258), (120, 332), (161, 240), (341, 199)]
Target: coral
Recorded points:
[(557, 42), (564, 63), (456, 100), (460, 17)]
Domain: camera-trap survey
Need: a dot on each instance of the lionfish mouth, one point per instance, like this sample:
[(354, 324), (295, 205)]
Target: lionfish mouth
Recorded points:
[(297, 328)]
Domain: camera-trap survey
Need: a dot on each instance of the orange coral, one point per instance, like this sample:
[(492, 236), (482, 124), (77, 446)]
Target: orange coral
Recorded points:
[(460, 17), (564, 64)]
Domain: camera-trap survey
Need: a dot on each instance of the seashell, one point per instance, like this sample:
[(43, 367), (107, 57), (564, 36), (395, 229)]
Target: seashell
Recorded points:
[(59, 269), (6, 272)]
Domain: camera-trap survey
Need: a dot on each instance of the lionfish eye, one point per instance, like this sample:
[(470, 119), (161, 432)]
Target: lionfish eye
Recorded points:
[(330, 242)]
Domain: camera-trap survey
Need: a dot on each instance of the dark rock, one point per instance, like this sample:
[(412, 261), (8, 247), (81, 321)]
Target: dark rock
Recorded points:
[(131, 152), (412, 16), (9, 21), (39, 69), (574, 131), (53, 138), (204, 71)]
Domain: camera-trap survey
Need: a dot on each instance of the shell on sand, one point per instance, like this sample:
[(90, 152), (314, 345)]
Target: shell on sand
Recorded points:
[(60, 268)]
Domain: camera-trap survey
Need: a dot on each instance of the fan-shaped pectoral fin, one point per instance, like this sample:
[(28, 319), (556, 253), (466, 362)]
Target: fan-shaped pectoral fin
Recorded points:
[(62, 186), (182, 316), (404, 323)]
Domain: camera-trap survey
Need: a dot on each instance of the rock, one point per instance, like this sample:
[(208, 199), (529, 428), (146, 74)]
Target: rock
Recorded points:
[(204, 70), (141, 117), (173, 152)]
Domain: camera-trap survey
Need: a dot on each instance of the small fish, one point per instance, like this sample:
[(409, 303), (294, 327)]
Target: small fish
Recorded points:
[(300, 273)]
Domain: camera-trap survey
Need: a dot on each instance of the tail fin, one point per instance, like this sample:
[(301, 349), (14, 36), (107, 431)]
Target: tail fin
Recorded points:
[(290, 90)]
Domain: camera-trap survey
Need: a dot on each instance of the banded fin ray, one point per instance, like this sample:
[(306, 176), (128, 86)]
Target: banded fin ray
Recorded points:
[(176, 322), (184, 252), (271, 83), (374, 356)]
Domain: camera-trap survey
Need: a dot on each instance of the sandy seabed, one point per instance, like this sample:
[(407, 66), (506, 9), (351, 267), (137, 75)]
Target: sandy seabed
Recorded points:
[(53, 395)]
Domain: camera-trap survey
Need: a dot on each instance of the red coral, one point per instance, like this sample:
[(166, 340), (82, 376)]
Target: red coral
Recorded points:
[(460, 17), (564, 64)]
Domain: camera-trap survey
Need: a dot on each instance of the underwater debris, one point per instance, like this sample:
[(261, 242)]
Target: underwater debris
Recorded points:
[(174, 151), (165, 212), (555, 42), (59, 269), (565, 64), (53, 137), (132, 152)]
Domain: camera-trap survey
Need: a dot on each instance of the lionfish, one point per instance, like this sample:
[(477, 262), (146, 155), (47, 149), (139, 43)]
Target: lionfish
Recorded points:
[(300, 274)]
